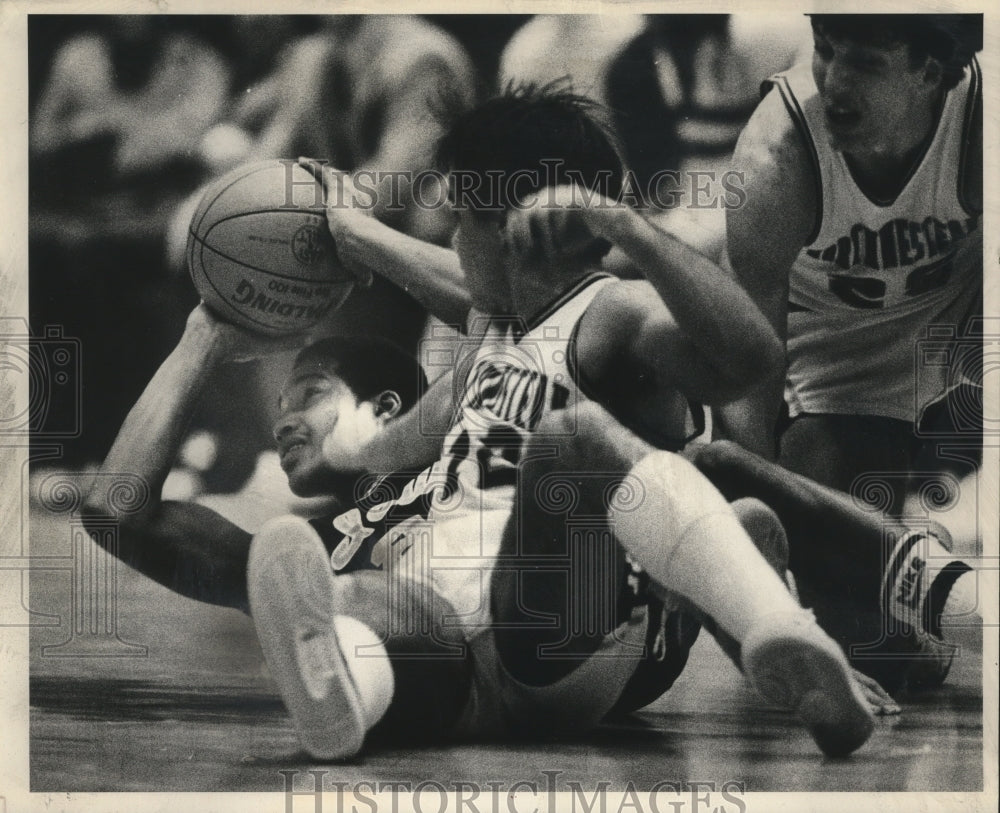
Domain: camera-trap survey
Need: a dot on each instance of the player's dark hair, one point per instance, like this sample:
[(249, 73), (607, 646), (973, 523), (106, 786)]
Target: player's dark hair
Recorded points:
[(529, 138), (951, 39), (369, 365)]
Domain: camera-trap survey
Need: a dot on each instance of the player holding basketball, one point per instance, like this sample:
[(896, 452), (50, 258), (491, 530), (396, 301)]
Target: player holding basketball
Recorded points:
[(860, 230), (339, 394)]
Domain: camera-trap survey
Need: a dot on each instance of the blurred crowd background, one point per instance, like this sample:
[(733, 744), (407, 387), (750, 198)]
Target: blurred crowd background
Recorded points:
[(132, 115)]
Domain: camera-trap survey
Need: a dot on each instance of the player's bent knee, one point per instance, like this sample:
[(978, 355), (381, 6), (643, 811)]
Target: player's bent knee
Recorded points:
[(589, 437), (673, 499)]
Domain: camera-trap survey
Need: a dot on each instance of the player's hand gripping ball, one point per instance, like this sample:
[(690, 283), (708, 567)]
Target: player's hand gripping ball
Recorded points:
[(260, 253)]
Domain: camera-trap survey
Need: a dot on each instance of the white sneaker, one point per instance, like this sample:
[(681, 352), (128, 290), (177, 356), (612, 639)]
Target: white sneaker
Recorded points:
[(796, 665), (291, 591)]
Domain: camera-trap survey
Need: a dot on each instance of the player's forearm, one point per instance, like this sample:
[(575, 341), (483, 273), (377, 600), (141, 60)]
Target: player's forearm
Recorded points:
[(149, 439), (711, 307), (430, 274)]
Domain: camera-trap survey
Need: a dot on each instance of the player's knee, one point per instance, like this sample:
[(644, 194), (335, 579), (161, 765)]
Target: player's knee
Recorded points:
[(588, 436)]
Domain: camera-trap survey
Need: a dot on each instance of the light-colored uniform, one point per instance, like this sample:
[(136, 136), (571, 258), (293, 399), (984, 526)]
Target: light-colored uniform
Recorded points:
[(509, 381), (876, 276)]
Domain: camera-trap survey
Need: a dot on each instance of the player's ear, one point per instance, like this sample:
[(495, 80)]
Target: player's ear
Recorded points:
[(933, 72), (388, 405)]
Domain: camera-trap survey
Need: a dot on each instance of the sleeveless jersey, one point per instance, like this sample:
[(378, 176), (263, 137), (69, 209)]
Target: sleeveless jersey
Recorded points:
[(444, 525), (877, 276)]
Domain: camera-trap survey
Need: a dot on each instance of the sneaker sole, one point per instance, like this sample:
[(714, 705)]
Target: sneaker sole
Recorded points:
[(797, 669), (291, 589)]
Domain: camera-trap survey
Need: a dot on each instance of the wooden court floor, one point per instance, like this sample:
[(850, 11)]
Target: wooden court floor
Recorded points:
[(185, 704)]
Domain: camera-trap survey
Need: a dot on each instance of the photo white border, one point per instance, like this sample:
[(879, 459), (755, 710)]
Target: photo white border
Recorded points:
[(14, 794)]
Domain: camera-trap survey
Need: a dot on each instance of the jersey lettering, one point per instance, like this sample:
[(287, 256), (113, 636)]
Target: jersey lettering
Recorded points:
[(350, 524)]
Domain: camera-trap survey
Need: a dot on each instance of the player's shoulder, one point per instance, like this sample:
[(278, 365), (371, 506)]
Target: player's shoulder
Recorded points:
[(778, 163), (774, 136), (621, 298), (614, 317)]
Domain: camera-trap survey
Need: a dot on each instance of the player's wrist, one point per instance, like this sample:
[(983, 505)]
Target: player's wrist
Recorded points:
[(205, 336), (615, 222)]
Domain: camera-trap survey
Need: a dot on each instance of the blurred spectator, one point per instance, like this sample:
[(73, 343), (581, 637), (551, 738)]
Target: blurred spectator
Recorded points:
[(144, 85), (679, 88), (361, 93), (120, 103), (582, 47)]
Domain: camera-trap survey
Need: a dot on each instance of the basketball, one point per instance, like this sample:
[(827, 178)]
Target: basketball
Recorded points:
[(260, 253)]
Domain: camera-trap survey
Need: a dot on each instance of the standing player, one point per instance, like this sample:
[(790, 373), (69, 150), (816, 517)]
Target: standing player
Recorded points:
[(549, 615), (861, 228)]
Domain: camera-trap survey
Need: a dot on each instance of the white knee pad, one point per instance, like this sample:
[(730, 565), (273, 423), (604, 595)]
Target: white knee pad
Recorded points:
[(664, 499)]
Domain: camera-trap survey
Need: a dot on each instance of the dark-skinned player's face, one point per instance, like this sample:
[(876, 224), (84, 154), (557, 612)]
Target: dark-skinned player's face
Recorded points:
[(319, 418), (869, 93)]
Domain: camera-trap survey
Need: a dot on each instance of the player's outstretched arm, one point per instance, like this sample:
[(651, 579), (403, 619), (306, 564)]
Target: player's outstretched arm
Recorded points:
[(183, 546), (763, 238), (429, 273)]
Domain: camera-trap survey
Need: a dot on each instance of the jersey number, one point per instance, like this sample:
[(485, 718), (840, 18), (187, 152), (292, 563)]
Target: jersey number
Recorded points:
[(869, 292)]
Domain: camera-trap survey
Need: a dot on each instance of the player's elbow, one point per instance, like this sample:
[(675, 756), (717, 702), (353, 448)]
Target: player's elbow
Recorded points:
[(762, 358), (99, 523), (121, 513)]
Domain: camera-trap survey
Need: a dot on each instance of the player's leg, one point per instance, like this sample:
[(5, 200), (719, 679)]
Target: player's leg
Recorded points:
[(356, 654), (852, 565), (570, 611), (672, 522), (651, 678), (836, 450)]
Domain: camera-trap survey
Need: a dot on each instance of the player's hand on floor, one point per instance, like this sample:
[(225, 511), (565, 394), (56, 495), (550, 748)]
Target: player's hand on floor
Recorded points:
[(231, 343), (348, 212), (878, 699)]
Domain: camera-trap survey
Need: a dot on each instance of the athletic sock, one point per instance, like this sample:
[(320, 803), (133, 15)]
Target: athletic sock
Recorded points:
[(688, 539), (923, 582)]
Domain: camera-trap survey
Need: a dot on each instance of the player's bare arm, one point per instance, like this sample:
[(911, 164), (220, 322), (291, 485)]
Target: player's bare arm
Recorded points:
[(763, 238), (183, 546), (429, 273), (687, 326)]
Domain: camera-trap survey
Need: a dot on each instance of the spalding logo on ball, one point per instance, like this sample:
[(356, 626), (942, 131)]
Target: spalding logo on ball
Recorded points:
[(260, 253)]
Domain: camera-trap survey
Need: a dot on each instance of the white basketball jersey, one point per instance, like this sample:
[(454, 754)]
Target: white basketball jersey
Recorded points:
[(509, 381), (877, 273)]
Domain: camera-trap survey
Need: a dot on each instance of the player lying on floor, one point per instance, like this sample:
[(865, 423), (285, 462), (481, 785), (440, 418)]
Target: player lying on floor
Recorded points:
[(502, 680)]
